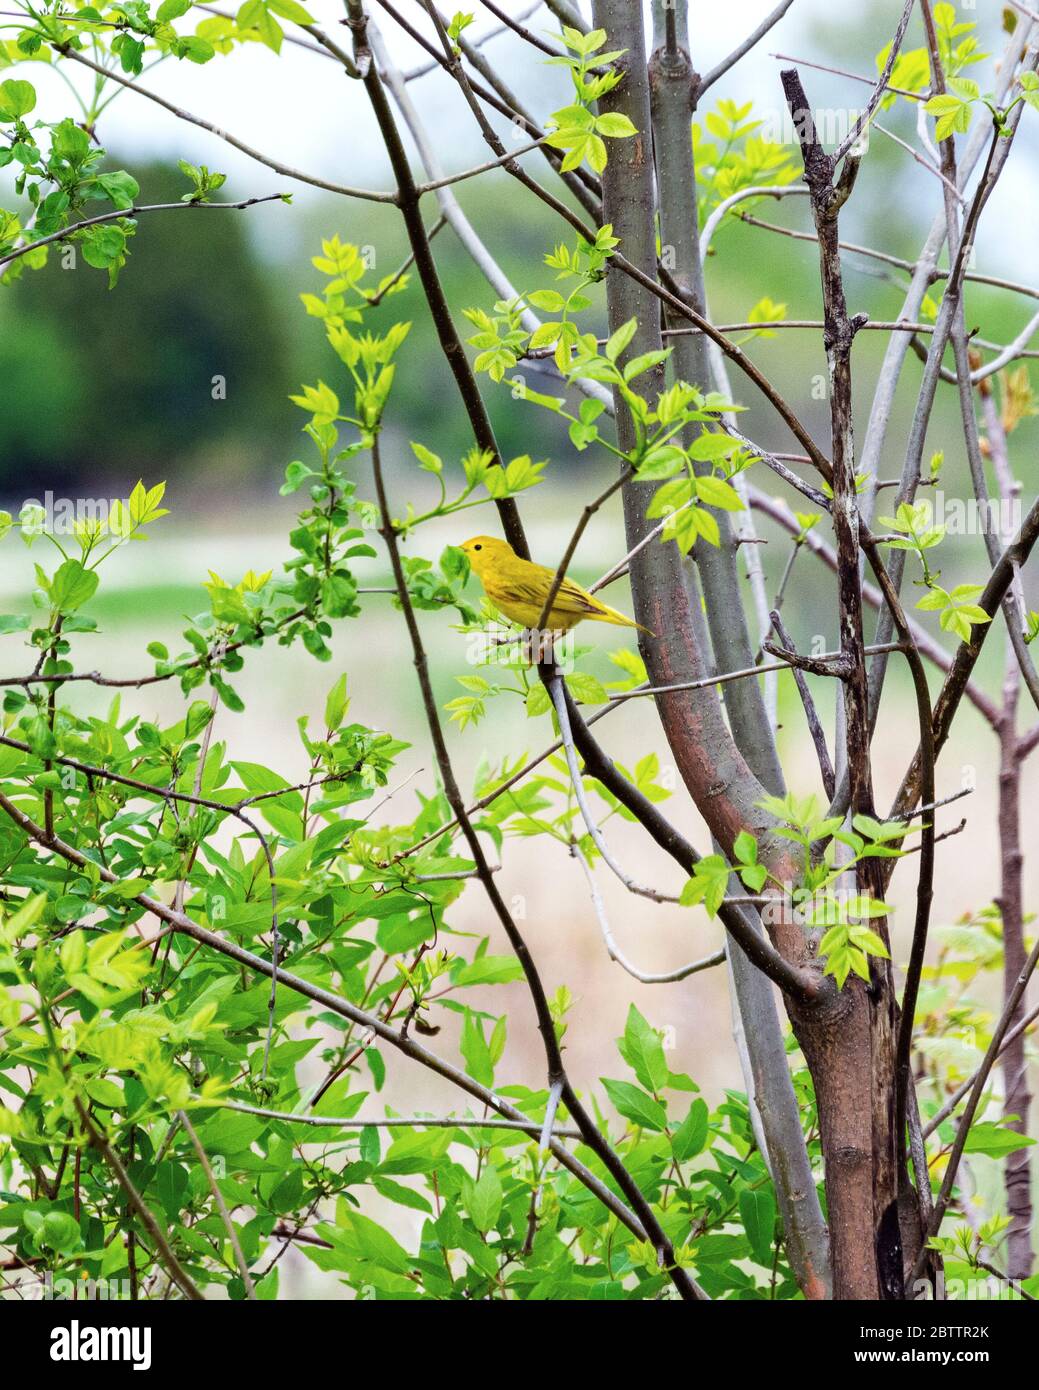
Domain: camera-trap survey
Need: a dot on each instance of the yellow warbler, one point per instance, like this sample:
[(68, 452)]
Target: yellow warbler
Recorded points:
[(518, 588)]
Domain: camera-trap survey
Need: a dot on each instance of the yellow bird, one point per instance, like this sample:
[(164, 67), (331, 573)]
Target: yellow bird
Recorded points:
[(518, 588)]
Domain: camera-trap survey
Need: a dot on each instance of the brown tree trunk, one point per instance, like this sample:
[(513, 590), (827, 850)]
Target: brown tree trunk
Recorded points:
[(1017, 1171), (862, 1179), (847, 1036)]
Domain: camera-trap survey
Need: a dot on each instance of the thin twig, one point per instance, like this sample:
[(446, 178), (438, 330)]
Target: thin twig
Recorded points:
[(974, 1098), (815, 727), (366, 194), (218, 1197), (720, 69), (644, 977), (396, 1122), (173, 1266), (132, 212), (527, 35), (855, 135), (1010, 1037)]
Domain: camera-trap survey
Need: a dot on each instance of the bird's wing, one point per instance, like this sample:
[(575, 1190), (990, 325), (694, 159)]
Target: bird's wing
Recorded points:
[(532, 586), (572, 598), (529, 583)]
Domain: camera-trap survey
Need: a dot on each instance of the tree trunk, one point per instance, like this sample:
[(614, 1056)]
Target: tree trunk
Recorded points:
[(1016, 1101), (770, 1089), (849, 1053)]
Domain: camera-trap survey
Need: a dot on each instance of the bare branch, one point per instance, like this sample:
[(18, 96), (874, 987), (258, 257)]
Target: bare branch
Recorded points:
[(925, 643), (475, 43), (844, 72), (815, 728), (555, 689), (852, 139), (615, 953), (799, 983), (527, 35), (293, 1117), (130, 213), (922, 160), (365, 194), (218, 1197), (720, 69), (1002, 576)]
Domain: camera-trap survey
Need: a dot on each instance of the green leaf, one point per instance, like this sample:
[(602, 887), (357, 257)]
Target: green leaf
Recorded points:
[(708, 884), (289, 9), (16, 99), (360, 1236), (643, 1050), (995, 1140), (427, 460), (473, 1047), (482, 1198), (586, 689), (103, 247), (618, 341), (690, 1138), (550, 301), (72, 586), (59, 1231), (23, 918), (490, 970), (661, 463), (454, 564), (370, 1145), (615, 125), (122, 188), (644, 361), (758, 1213), (709, 448), (745, 848), (634, 1104), (336, 704), (716, 492)]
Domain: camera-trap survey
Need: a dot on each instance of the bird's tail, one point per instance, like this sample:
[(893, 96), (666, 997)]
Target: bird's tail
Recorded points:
[(613, 615)]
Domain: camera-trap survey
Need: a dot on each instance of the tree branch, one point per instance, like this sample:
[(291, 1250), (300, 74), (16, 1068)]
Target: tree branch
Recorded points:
[(132, 212), (366, 194)]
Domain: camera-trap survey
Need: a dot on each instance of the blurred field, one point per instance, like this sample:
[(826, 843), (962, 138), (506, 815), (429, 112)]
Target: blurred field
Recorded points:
[(280, 684)]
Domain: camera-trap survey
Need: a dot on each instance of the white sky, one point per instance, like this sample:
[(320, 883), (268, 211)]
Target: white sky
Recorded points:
[(301, 109)]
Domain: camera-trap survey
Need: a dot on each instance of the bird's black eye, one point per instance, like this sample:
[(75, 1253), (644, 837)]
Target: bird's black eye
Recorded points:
[(477, 547)]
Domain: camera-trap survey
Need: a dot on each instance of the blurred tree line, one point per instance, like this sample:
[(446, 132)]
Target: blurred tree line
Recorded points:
[(100, 387), (183, 369), (102, 384)]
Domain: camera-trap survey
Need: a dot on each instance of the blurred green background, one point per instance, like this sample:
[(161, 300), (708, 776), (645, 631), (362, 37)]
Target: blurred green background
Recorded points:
[(100, 387)]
